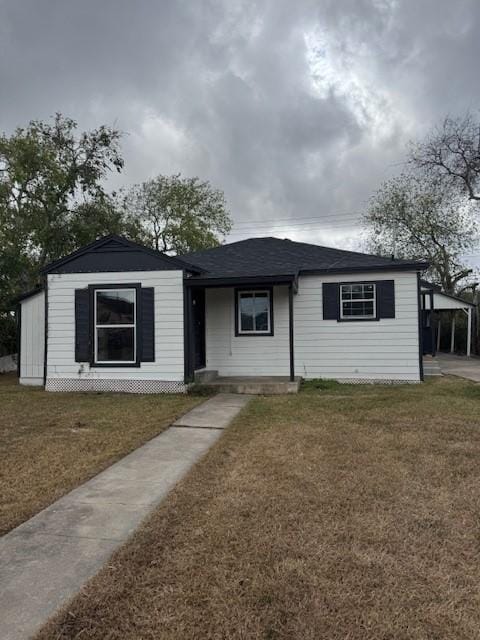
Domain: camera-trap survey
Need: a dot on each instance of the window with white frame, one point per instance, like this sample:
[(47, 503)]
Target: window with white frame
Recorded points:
[(357, 301), (115, 326), (254, 312)]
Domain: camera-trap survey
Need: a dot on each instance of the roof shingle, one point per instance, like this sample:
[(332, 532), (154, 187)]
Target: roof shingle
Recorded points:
[(258, 257)]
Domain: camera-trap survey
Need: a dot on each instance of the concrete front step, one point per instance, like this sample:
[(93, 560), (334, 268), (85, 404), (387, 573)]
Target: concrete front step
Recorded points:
[(258, 385), (205, 375), (431, 368)]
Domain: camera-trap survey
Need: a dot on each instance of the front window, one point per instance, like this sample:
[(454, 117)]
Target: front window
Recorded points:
[(357, 301), (115, 312), (254, 312)]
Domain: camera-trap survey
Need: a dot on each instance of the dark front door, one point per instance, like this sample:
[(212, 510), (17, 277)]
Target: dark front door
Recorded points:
[(198, 304), (429, 330)]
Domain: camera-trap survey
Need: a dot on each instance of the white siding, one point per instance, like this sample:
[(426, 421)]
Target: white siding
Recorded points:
[(383, 350), (379, 350), (245, 355), (32, 339), (169, 363)]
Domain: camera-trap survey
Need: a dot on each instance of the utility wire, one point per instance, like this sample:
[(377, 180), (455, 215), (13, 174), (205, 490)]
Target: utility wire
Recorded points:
[(294, 225), (344, 216)]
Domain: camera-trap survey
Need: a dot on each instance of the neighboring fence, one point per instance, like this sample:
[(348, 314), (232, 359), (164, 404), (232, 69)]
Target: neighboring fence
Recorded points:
[(8, 363)]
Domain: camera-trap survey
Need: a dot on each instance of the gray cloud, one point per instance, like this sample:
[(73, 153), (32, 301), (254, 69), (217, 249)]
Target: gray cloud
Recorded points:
[(298, 110)]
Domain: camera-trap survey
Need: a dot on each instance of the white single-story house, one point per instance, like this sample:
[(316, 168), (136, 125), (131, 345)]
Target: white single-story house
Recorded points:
[(117, 316)]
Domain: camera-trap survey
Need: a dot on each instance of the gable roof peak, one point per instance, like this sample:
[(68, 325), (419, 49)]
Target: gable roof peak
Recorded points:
[(96, 246)]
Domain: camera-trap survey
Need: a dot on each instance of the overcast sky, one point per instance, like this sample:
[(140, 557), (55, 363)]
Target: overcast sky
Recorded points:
[(297, 109)]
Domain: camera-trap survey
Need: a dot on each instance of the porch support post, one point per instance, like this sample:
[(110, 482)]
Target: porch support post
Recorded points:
[(452, 336), (469, 331), (439, 331), (188, 341), (291, 332), (432, 327)]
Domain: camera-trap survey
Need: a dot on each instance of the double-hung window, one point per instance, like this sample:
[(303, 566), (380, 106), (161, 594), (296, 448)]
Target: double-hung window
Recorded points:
[(254, 312), (358, 301), (115, 326)]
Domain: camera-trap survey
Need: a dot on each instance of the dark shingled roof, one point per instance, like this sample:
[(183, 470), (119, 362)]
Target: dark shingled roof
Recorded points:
[(267, 257)]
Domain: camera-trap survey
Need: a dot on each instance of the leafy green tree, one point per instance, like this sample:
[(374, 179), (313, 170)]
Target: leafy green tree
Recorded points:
[(100, 216), (15, 274), (423, 217), (178, 214), (49, 177), (51, 200)]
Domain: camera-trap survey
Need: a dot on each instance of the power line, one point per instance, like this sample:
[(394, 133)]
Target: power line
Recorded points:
[(280, 228), (347, 223), (344, 216), (299, 224)]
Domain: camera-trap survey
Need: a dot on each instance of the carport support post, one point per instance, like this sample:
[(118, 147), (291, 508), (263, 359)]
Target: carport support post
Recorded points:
[(452, 337), (469, 331)]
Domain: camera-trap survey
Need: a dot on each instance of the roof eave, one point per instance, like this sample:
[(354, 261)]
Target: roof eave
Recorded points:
[(233, 281), (217, 281), (26, 295), (413, 266)]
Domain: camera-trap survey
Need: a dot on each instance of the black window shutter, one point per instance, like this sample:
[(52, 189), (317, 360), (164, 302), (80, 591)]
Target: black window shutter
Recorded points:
[(385, 298), (82, 326), (147, 321), (331, 300)]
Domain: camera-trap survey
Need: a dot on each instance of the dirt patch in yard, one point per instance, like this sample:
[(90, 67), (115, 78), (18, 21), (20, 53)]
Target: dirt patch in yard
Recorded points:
[(352, 516), (52, 442)]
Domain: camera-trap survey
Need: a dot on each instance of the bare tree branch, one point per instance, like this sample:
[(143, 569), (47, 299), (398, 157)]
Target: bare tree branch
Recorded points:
[(453, 151)]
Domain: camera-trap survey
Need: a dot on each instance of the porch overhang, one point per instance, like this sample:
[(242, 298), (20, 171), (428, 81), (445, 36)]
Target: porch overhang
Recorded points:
[(191, 283), (240, 281)]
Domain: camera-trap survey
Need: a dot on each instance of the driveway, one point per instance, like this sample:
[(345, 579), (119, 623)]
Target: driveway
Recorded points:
[(462, 366)]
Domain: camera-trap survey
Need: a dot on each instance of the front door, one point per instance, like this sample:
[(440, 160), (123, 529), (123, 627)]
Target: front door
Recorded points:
[(198, 305), (428, 333)]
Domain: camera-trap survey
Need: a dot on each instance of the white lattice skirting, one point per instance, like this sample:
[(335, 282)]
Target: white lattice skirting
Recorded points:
[(119, 386)]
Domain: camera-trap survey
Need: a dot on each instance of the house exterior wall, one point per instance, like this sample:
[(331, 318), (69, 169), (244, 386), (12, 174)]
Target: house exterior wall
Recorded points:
[(383, 350), (245, 355), (166, 373), (387, 349), (32, 339)]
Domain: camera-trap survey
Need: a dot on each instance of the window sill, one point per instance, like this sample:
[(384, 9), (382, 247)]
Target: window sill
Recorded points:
[(113, 365), (239, 334), (358, 319)]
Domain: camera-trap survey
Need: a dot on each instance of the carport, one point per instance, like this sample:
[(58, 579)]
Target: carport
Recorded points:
[(435, 304)]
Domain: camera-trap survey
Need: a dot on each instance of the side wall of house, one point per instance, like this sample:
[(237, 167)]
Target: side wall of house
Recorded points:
[(387, 349), (245, 355), (32, 339), (166, 373)]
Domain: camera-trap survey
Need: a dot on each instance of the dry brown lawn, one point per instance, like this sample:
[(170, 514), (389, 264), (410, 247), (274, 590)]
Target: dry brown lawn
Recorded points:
[(51, 442), (342, 513)]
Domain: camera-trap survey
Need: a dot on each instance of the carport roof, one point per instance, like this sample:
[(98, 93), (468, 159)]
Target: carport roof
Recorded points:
[(449, 300)]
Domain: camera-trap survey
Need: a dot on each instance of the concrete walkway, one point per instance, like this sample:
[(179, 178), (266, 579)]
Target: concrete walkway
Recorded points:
[(461, 366), (46, 560)]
